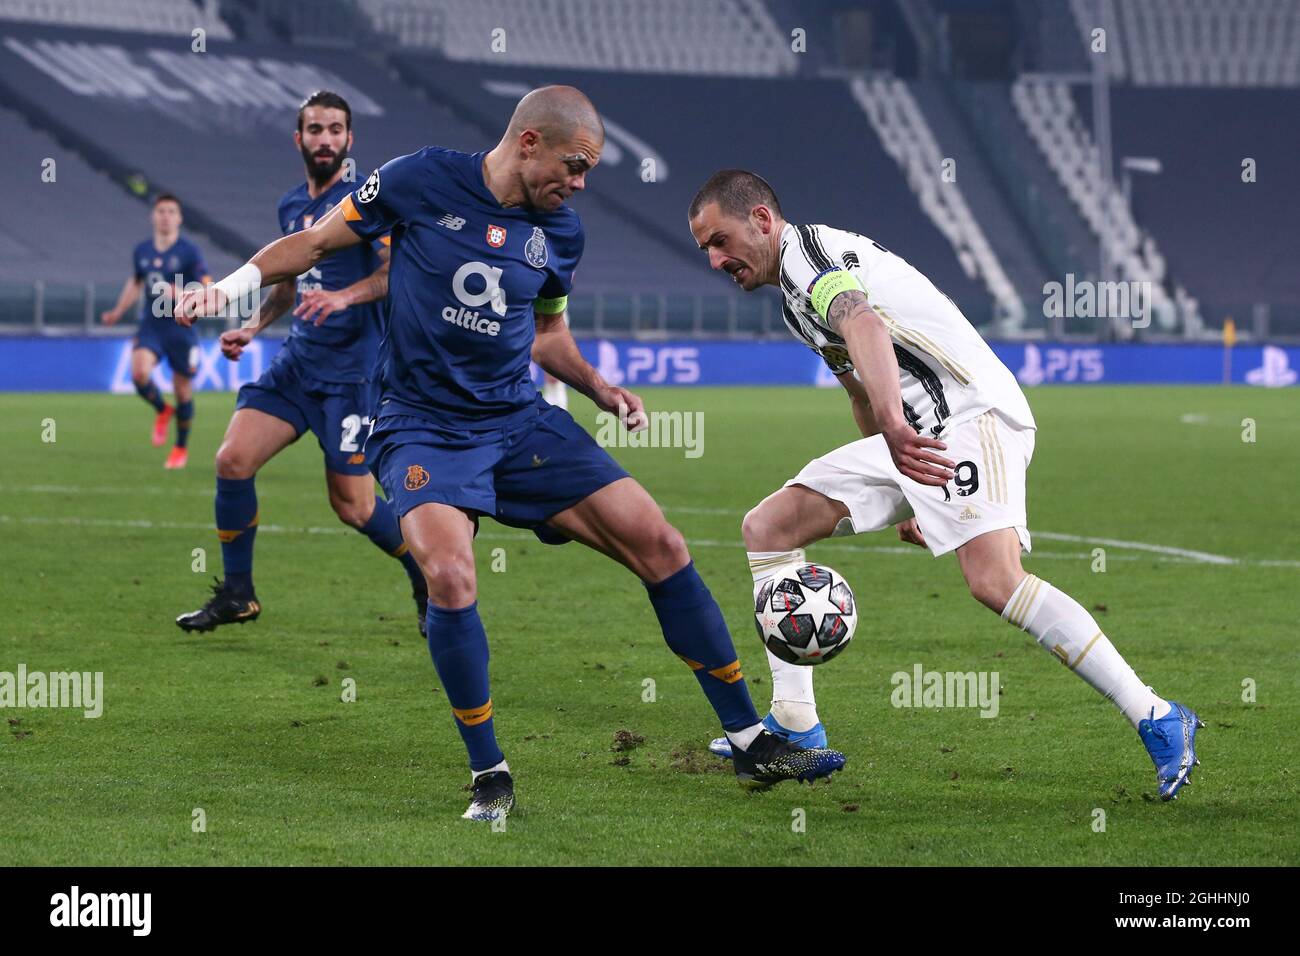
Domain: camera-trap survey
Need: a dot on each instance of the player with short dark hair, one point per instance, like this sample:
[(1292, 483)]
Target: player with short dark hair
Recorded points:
[(921, 382), (484, 251), (320, 380), (161, 267)]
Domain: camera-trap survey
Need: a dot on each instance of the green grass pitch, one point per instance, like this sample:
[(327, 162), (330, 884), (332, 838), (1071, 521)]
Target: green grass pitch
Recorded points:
[(247, 724)]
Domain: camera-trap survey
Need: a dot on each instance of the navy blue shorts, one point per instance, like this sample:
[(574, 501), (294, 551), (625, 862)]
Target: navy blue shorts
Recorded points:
[(339, 415), (521, 475), (175, 343)]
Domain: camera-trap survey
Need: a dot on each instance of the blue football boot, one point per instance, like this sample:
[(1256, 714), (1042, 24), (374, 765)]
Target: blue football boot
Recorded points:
[(1171, 742)]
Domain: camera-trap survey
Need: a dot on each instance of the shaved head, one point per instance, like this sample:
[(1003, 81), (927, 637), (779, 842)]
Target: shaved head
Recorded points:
[(554, 139), (558, 113)]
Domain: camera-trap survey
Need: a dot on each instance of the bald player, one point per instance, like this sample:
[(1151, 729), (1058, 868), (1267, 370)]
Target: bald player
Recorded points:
[(483, 253)]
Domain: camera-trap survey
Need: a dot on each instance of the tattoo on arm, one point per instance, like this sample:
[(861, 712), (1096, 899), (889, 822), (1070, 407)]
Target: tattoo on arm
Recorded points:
[(844, 305)]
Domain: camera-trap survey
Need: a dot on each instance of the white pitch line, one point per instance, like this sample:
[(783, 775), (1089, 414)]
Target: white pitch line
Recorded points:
[(1164, 555), (1200, 556), (106, 490), (1192, 556)]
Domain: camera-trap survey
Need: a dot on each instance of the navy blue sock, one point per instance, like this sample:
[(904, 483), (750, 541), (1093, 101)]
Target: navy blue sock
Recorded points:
[(149, 392), (384, 531), (694, 629), (184, 416), (237, 516), (459, 648)]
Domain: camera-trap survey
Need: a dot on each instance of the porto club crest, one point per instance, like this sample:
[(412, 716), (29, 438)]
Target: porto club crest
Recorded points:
[(535, 248)]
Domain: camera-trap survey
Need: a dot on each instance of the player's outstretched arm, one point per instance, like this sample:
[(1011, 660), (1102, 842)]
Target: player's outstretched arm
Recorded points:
[(285, 258), (319, 304), (130, 292), (556, 352), (872, 353)]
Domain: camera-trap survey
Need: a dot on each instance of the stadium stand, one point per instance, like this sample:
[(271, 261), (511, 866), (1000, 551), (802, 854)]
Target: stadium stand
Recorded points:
[(988, 200), (76, 231), (908, 139), (1047, 109), (62, 83), (135, 16), (722, 37), (1232, 242), (1055, 225), (854, 132), (110, 95), (1197, 42), (816, 146)]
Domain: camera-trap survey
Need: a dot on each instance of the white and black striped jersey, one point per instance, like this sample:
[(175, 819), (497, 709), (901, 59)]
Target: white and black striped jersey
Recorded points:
[(947, 371)]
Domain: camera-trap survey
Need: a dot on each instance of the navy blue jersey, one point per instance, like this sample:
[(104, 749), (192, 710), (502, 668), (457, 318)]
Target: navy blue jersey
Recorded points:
[(161, 269), (464, 275), (344, 347)]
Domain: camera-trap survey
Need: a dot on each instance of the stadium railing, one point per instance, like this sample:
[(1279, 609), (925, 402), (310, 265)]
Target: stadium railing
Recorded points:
[(70, 309)]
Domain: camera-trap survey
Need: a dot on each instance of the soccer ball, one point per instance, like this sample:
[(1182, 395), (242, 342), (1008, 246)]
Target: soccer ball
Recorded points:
[(806, 613)]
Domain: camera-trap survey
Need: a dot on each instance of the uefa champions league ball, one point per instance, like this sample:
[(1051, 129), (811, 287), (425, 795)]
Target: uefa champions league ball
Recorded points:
[(806, 613)]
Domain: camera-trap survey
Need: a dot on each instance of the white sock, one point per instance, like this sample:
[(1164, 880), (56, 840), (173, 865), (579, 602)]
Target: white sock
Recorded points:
[(1063, 628), (556, 394), (478, 773), (743, 738), (793, 703)]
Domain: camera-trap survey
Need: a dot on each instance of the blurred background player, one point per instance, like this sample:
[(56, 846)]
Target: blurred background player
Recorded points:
[(320, 380), (916, 372), (461, 431), (158, 266)]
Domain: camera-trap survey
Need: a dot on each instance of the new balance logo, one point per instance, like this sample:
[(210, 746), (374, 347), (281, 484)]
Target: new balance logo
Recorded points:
[(454, 223), (968, 514)]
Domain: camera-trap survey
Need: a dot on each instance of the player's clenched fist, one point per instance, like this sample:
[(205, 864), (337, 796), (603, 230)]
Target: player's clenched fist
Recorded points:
[(196, 303), (234, 341)]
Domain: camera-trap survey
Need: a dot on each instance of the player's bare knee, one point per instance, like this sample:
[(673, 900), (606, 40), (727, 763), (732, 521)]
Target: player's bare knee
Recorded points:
[(450, 580), (992, 588), (231, 462), (351, 512), (672, 547), (660, 553), (757, 529)]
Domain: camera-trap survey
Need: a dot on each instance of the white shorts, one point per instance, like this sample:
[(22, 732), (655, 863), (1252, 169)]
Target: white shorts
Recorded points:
[(987, 493)]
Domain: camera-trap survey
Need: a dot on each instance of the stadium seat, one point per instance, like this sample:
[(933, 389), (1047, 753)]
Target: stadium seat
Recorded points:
[(723, 37), (138, 16), (1197, 42), (1047, 109), (907, 137)]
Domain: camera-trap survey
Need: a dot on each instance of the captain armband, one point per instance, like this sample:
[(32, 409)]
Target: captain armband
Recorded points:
[(828, 285), (551, 306)]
